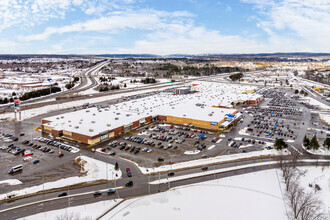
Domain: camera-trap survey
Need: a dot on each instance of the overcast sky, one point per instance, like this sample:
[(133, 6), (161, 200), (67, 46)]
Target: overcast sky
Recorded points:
[(164, 26)]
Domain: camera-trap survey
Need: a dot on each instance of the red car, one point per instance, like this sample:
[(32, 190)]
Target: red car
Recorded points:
[(128, 169), (61, 155)]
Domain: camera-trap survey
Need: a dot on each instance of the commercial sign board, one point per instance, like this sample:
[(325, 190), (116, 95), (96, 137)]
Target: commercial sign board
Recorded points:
[(104, 136), (214, 123), (16, 105)]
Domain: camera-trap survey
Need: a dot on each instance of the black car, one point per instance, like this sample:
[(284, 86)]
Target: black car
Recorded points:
[(62, 194), (97, 193), (205, 168), (160, 159), (129, 183), (170, 173)]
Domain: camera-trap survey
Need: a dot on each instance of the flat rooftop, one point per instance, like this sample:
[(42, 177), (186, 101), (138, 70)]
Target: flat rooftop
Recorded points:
[(198, 106)]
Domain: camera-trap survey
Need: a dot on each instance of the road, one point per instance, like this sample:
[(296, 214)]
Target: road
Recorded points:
[(83, 85), (83, 196)]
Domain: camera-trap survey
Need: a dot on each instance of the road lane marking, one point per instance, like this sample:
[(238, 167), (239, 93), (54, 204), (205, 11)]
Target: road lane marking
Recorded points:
[(296, 150)]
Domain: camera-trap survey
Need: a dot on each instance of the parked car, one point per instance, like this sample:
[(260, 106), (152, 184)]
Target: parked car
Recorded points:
[(36, 161), (170, 173), (129, 183)]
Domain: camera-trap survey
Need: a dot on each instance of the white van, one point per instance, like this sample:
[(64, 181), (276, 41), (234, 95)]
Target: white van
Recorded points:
[(15, 169)]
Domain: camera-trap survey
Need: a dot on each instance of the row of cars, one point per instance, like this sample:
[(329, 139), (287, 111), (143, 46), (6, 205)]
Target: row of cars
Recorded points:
[(15, 150), (54, 143), (235, 144), (124, 146), (8, 137)]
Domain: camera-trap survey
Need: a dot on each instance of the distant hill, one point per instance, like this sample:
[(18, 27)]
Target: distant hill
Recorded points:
[(128, 55)]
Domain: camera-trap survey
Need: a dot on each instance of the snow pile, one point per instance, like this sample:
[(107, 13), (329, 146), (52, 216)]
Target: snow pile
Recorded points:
[(11, 182), (192, 152), (90, 211), (95, 170), (212, 160)]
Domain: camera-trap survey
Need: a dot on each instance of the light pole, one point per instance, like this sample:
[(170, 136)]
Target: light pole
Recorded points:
[(106, 165), (148, 183)]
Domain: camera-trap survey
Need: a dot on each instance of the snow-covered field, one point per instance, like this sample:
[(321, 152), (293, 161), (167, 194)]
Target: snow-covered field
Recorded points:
[(96, 170), (85, 212), (250, 196)]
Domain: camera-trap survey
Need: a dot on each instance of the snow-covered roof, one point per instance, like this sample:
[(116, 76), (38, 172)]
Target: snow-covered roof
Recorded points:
[(198, 106)]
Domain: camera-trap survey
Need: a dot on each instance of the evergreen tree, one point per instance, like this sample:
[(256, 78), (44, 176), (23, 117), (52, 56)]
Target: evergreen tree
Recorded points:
[(306, 141), (326, 143), (280, 144), (314, 144)]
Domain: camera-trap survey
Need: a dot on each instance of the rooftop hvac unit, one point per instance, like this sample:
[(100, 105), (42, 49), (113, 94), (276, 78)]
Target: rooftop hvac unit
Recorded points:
[(116, 118), (91, 130), (93, 122), (57, 118), (108, 125), (76, 127), (62, 116), (70, 125), (69, 121), (93, 114), (87, 111)]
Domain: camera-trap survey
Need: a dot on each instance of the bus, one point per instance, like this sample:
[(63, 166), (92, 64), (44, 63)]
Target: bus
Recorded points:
[(16, 169)]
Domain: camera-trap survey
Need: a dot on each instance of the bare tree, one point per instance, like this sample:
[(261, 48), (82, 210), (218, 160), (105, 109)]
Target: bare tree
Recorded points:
[(304, 205), (71, 216)]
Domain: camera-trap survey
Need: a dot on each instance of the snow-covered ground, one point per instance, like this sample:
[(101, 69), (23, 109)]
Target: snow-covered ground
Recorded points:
[(314, 102), (96, 170), (257, 195), (85, 212), (325, 118), (321, 151), (250, 196)]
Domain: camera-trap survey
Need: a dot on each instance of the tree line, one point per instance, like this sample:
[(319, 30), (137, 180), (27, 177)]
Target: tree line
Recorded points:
[(39, 93)]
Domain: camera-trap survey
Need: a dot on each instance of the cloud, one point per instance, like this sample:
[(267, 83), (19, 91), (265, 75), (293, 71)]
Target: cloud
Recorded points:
[(120, 20), (28, 13), (303, 23)]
